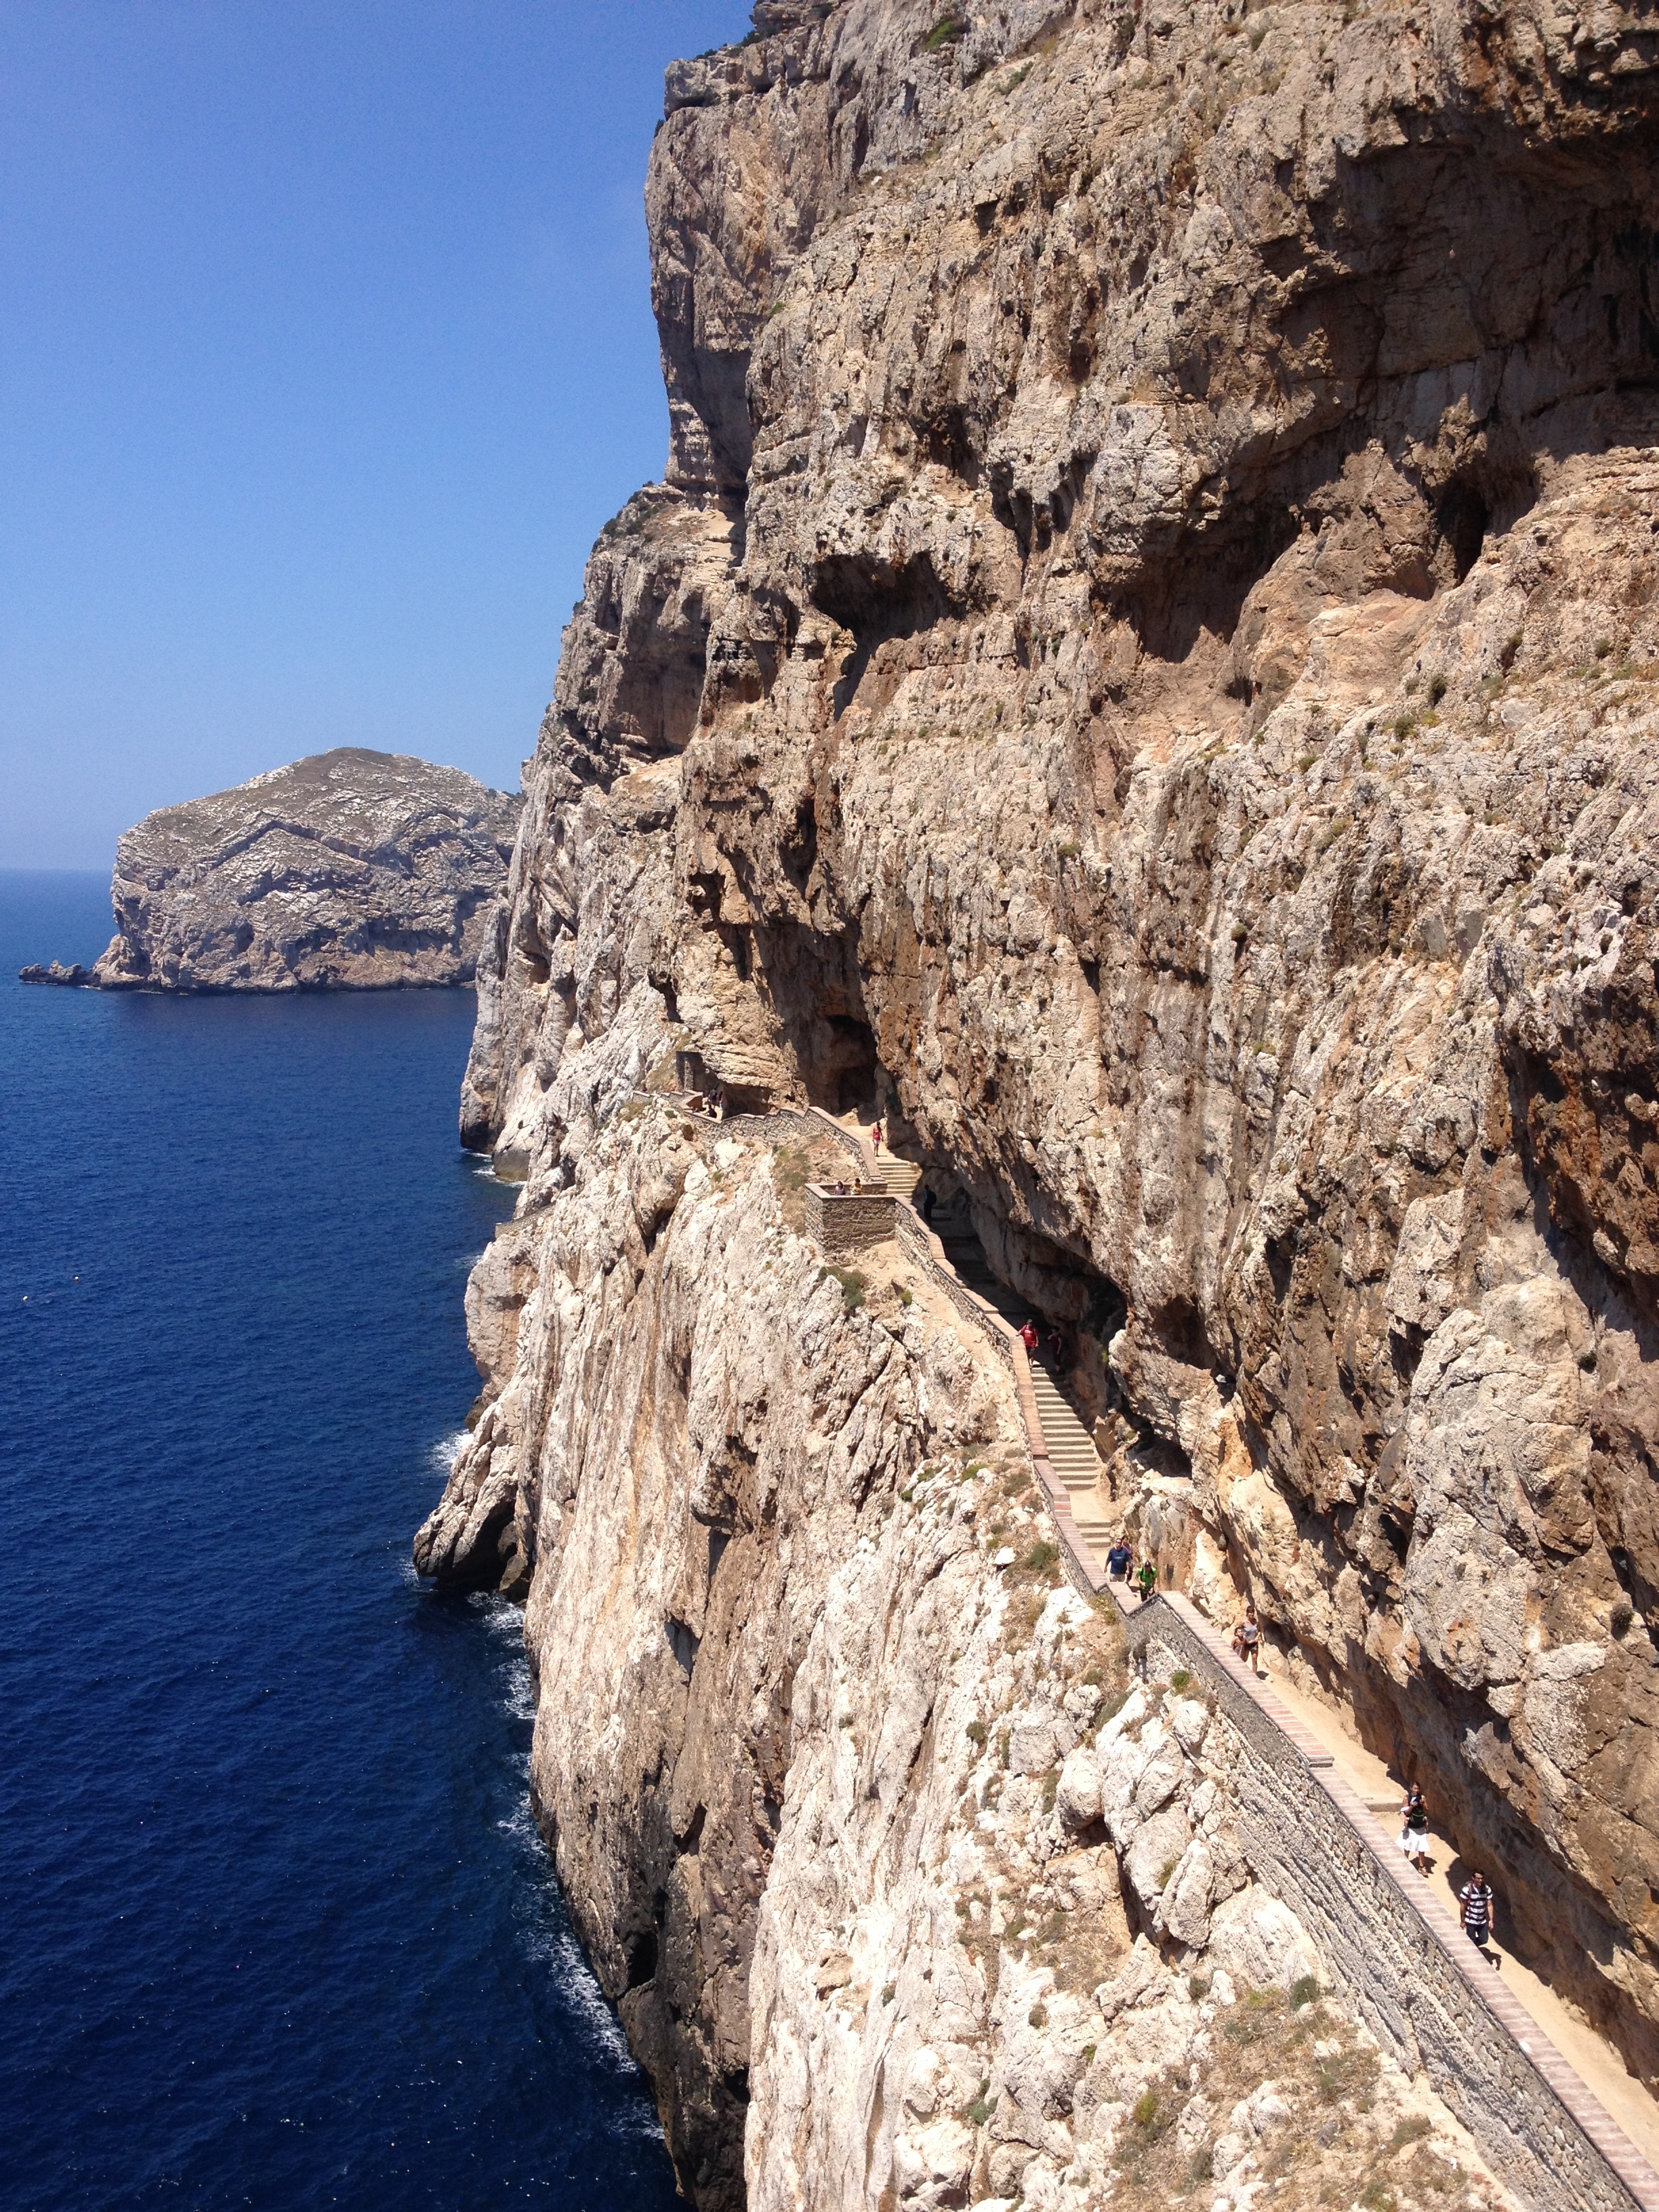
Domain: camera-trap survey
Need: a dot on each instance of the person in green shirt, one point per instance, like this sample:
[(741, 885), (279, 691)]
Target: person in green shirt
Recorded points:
[(1146, 1580)]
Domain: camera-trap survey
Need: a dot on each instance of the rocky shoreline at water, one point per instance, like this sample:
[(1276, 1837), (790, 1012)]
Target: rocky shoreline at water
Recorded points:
[(350, 870), (74, 975)]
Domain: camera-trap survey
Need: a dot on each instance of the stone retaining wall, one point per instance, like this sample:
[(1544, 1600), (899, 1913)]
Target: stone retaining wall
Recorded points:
[(844, 1222), (1418, 1983)]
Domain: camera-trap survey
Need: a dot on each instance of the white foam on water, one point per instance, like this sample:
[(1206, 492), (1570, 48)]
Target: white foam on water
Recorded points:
[(503, 1619), (579, 1986), (445, 1453), (521, 1825)]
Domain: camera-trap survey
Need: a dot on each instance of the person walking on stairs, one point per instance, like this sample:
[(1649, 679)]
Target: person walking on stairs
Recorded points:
[(1028, 1337), (875, 1137), (1146, 1580), (1476, 1901), (1119, 1560), (1247, 1641), (1414, 1834)]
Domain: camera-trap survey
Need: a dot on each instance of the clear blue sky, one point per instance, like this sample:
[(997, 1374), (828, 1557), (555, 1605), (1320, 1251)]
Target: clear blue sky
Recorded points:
[(325, 348)]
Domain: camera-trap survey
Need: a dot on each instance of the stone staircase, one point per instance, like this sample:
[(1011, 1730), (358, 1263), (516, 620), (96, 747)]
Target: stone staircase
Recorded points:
[(900, 1176), (1072, 1451), (1074, 1458)]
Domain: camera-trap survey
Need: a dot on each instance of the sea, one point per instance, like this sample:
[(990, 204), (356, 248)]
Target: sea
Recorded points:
[(277, 1929)]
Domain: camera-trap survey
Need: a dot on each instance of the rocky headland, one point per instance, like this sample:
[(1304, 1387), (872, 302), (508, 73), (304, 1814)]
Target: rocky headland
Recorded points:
[(350, 870), (1143, 668)]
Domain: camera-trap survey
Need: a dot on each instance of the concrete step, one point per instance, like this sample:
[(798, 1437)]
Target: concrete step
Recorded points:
[(900, 1176)]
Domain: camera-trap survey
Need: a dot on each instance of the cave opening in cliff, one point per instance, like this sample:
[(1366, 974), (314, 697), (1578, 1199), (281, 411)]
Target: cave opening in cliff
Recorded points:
[(813, 980), (1463, 520), (1202, 587), (878, 600)]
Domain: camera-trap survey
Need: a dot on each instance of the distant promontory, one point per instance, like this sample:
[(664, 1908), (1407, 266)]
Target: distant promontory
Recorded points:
[(351, 870)]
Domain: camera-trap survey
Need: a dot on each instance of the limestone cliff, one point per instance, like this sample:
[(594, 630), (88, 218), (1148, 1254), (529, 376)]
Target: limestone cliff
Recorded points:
[(838, 1801), (1145, 663), (351, 870)]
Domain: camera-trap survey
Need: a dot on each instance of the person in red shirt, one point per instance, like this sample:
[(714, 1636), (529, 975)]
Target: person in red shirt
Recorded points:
[(1028, 1337)]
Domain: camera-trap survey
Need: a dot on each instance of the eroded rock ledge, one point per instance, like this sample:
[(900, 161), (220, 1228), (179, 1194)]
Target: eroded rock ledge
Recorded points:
[(350, 870)]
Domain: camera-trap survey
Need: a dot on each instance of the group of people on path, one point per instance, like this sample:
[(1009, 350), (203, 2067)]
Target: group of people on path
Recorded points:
[(1119, 1560), (1476, 1899), (1032, 1341), (1475, 1902)]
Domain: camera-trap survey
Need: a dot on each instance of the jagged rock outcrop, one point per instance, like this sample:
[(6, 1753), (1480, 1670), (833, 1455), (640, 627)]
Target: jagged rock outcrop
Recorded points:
[(351, 870), (1144, 664), (72, 977)]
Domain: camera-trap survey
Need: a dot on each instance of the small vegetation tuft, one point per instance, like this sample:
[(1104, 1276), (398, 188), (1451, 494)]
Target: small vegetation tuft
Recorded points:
[(854, 1285)]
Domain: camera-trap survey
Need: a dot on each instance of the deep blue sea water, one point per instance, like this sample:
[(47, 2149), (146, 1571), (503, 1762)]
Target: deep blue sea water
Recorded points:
[(275, 1928)]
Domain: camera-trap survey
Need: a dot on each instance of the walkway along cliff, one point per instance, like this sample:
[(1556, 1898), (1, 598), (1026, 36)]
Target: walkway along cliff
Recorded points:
[(1141, 670)]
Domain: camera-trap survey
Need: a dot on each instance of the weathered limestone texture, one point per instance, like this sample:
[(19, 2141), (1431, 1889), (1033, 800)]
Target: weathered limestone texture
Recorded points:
[(1144, 666), (349, 871), (823, 1779)]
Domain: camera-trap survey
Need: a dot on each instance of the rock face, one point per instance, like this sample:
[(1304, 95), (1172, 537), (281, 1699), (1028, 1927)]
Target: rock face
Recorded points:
[(349, 871), (841, 1809), (1143, 665)]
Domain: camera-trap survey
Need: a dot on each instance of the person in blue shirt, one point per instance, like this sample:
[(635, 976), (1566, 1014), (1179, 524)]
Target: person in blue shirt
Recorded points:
[(1119, 1560)]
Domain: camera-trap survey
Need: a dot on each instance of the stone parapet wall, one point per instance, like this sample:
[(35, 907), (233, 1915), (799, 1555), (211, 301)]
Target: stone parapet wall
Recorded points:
[(1416, 1978), (926, 1249), (844, 1222)]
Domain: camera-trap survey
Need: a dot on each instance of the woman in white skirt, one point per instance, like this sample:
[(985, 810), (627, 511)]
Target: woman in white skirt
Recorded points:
[(1414, 1831)]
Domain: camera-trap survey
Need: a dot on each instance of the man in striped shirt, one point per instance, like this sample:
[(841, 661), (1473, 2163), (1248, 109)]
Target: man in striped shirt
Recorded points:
[(1476, 1900)]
